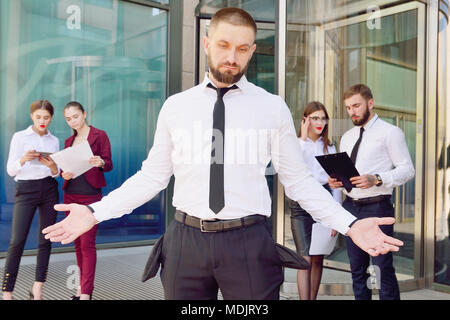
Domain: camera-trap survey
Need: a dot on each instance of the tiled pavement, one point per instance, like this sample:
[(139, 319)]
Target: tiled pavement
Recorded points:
[(118, 277)]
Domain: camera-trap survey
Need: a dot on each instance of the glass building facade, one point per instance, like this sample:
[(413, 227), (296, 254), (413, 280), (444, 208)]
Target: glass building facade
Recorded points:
[(120, 59), (97, 52)]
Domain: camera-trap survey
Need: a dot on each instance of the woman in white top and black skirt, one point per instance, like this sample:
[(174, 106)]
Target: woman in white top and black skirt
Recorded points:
[(313, 137), (36, 187)]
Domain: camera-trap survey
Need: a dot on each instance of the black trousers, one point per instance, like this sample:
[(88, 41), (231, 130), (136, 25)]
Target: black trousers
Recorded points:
[(384, 273), (243, 263), (30, 195)]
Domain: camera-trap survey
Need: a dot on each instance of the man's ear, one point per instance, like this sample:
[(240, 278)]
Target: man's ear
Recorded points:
[(206, 44), (252, 50), (371, 104)]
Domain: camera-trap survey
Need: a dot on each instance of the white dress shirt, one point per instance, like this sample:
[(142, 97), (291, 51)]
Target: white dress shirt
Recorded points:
[(258, 129), (382, 151), (311, 149), (21, 143)]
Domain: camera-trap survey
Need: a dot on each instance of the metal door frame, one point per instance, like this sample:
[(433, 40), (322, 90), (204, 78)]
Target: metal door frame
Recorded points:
[(421, 24), (423, 103)]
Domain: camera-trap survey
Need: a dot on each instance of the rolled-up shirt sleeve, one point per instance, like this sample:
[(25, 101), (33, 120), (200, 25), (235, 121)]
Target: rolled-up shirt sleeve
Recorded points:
[(297, 180), (13, 165), (153, 177), (403, 169)]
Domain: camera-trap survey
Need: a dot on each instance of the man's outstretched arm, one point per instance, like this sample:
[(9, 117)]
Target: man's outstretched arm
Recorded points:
[(153, 177)]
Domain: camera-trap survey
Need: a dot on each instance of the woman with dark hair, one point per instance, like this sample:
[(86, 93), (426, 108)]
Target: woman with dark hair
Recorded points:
[(86, 189), (34, 172), (313, 138)]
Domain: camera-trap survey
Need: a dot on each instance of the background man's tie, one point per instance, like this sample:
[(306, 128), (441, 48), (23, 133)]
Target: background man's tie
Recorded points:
[(216, 184), (356, 146)]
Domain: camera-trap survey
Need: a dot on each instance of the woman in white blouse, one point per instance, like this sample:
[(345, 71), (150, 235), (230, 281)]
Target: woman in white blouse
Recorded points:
[(36, 187), (313, 137)]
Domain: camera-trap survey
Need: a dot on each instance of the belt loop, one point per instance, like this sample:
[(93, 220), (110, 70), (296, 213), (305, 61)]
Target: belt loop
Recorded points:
[(184, 217), (243, 223)]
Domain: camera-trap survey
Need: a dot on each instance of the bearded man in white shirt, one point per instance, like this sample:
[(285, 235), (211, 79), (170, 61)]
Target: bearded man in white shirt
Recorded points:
[(220, 237), (381, 156)]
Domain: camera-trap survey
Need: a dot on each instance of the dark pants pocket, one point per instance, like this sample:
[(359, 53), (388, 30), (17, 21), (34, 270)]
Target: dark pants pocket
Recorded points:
[(153, 261)]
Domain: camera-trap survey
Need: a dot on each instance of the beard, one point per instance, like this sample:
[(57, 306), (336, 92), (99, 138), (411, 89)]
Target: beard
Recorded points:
[(363, 120), (227, 77)]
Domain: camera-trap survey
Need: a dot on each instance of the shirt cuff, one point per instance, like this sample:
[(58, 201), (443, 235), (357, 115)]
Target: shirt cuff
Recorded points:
[(351, 224), (99, 213), (17, 167), (387, 179), (56, 175)]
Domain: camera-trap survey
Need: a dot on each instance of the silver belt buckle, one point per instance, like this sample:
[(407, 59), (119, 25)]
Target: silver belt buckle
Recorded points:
[(202, 227)]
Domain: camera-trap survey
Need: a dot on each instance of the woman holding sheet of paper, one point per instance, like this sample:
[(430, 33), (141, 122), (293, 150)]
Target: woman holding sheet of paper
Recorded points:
[(313, 137), (34, 172), (86, 189)]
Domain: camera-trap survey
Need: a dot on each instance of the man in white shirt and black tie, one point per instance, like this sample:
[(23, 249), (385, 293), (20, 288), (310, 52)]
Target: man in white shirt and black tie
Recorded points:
[(381, 156), (220, 237)]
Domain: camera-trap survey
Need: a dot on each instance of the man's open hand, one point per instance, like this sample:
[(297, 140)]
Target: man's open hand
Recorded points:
[(79, 220), (367, 235)]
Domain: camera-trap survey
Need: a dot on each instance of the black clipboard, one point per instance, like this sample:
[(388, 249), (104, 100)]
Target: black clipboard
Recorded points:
[(339, 166)]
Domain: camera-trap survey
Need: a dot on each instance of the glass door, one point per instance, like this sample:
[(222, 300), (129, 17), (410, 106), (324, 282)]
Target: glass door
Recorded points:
[(388, 56)]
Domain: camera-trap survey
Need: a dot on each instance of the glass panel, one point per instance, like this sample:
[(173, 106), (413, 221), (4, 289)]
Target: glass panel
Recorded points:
[(311, 12), (261, 10), (322, 61), (442, 252), (386, 60), (261, 69), (109, 55), (161, 1)]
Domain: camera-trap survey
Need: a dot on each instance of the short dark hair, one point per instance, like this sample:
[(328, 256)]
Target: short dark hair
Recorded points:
[(359, 88), (42, 104), (234, 16)]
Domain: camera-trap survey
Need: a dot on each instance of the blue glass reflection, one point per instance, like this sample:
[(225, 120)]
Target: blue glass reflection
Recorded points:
[(101, 54)]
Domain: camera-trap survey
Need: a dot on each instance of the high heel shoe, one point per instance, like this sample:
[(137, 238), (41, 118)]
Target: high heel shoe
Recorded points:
[(31, 294), (74, 298)]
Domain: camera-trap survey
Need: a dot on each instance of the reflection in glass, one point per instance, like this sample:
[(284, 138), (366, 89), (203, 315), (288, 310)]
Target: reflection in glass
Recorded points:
[(323, 60), (261, 10), (442, 240), (386, 60), (110, 56)]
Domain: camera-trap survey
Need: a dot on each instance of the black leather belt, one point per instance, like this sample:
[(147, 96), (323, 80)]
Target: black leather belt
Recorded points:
[(370, 200), (216, 225)]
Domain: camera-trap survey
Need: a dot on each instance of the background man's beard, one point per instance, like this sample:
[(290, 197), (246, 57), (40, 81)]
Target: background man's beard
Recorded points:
[(227, 77), (363, 120)]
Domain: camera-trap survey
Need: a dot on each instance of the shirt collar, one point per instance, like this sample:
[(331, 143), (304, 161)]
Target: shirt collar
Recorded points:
[(242, 84), (369, 124), (29, 131), (309, 139)]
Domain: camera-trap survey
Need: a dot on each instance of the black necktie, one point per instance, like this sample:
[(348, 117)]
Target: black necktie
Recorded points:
[(216, 184), (356, 147)]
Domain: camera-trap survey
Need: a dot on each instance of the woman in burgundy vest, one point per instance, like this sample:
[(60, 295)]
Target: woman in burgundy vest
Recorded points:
[(86, 189)]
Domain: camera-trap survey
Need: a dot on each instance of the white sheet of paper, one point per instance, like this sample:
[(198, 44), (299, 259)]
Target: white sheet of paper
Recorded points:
[(74, 159), (322, 243)]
